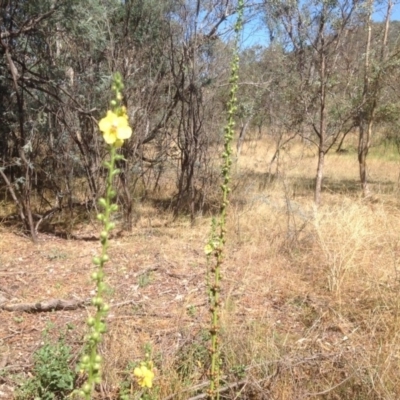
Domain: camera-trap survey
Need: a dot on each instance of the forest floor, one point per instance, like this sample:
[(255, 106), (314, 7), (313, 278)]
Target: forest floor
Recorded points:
[(311, 301)]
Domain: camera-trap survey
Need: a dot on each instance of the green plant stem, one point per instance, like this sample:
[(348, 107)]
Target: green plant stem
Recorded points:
[(91, 362), (97, 326), (214, 277)]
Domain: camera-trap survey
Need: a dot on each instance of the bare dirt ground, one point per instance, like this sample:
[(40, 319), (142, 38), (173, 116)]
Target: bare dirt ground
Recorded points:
[(156, 289), (153, 278)]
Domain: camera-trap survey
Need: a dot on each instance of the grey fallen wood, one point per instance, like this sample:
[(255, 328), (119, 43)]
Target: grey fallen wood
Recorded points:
[(45, 306)]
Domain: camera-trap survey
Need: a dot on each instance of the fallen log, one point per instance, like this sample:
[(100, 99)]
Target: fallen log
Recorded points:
[(45, 306)]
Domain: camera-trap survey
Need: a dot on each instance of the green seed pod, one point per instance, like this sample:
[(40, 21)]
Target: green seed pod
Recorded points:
[(100, 217), (97, 301), (106, 308), (85, 359), (98, 358), (96, 367), (96, 261), (87, 388), (102, 203)]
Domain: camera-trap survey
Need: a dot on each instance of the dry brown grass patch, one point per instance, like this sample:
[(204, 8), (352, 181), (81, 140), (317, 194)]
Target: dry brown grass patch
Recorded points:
[(311, 297)]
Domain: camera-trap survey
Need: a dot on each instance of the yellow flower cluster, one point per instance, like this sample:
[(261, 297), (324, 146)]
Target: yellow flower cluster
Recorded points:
[(144, 376), (115, 128)]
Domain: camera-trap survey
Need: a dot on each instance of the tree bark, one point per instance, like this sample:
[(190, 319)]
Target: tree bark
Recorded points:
[(322, 122), (319, 176)]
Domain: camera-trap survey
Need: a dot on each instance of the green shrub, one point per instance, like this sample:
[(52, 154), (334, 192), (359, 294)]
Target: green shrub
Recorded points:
[(52, 376)]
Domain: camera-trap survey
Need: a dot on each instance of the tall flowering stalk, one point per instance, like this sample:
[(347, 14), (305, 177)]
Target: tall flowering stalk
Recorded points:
[(216, 244), (115, 129)]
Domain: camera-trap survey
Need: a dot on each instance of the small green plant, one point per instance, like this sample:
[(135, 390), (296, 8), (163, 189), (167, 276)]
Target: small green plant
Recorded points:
[(144, 279), (191, 311), (52, 376), (56, 254), (193, 356), (239, 371), (126, 386)]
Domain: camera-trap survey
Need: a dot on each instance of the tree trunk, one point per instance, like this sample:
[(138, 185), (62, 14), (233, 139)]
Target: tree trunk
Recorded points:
[(322, 124), (363, 147), (319, 176), (370, 97)]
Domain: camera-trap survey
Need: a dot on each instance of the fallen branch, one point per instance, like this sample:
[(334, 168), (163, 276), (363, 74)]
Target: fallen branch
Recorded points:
[(45, 306)]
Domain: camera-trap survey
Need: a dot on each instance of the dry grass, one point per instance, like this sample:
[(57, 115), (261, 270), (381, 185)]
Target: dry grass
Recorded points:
[(311, 297)]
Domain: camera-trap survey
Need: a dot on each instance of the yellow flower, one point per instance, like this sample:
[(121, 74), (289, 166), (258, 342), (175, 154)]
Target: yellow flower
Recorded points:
[(144, 376), (115, 128)]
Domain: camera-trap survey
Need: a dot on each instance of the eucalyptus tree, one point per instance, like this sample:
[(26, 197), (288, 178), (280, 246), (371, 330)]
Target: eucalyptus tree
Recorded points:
[(266, 94), (195, 49), (22, 44), (312, 34), (379, 60), (253, 82)]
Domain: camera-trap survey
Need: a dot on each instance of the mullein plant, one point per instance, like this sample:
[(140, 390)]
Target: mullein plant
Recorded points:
[(215, 246), (115, 129), (144, 375)]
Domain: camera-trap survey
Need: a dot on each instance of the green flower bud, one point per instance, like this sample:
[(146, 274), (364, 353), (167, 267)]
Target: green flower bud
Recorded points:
[(96, 261), (95, 336), (106, 308), (85, 359), (102, 202), (87, 388), (96, 367), (97, 301)]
